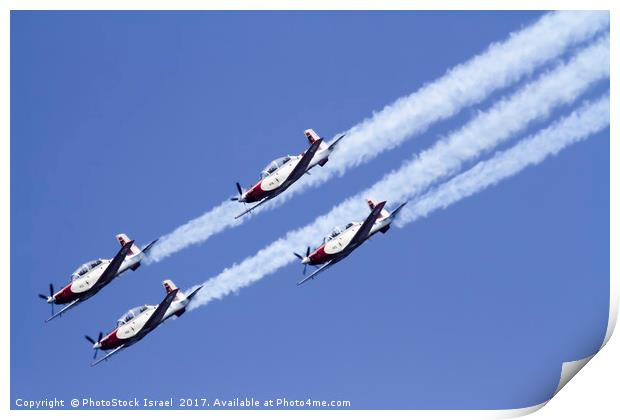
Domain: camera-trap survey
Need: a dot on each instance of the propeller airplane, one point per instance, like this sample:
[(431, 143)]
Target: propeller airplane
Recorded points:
[(281, 173), (343, 241), (136, 323)]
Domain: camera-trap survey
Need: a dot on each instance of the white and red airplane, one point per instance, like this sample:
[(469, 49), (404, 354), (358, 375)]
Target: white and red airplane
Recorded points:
[(283, 172), (342, 241), (91, 277), (136, 323)]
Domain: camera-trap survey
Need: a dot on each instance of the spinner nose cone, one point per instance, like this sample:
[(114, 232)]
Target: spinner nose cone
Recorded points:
[(51, 299), (97, 345), (305, 260)]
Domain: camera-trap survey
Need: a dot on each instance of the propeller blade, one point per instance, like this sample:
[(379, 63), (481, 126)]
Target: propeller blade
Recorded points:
[(298, 256), (100, 337), (51, 289), (305, 267), (239, 188), (53, 308), (308, 251), (90, 340), (42, 296), (234, 198), (95, 355)]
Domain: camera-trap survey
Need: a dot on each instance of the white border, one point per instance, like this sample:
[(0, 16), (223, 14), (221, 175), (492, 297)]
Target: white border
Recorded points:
[(594, 393)]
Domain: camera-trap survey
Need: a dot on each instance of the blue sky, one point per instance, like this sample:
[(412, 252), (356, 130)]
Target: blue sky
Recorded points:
[(136, 122)]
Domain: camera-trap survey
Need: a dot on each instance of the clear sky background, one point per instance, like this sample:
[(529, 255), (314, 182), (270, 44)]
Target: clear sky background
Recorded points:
[(136, 122)]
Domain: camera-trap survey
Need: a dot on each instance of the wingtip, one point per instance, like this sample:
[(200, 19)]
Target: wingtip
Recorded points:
[(299, 283)]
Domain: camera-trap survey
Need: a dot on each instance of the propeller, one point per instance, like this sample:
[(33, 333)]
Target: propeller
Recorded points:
[(94, 343), (302, 258), (49, 299), (240, 193)]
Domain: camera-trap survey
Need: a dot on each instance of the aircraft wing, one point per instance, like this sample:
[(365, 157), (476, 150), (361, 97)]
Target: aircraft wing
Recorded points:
[(159, 313), (65, 308), (333, 145), (110, 354), (317, 271), (302, 165), (115, 264), (364, 230)]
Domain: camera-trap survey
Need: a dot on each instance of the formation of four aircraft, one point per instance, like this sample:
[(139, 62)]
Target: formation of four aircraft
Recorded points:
[(278, 176)]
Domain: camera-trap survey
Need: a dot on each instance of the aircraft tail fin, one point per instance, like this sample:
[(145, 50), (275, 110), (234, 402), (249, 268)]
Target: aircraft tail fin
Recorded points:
[(384, 213), (312, 136), (398, 209), (123, 239), (170, 287)]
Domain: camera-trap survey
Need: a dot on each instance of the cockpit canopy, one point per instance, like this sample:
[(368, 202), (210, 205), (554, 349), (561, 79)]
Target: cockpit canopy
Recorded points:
[(274, 165), (338, 230), (85, 268), (131, 314)]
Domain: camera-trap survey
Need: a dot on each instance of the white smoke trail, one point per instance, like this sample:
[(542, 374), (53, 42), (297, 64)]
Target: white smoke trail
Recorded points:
[(579, 125), (506, 118), (501, 65)]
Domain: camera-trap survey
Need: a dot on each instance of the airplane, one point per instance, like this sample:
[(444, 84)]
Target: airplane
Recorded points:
[(285, 171), (91, 277), (342, 241), (136, 323)]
